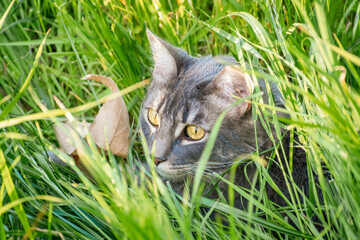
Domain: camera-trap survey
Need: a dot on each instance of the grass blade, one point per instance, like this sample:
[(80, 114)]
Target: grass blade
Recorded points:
[(10, 187), (2, 20), (9, 107)]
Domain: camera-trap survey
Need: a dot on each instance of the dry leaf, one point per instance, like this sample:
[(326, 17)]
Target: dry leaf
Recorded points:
[(63, 129), (111, 125)]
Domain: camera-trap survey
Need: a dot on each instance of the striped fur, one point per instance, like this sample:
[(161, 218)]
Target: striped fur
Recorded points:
[(194, 91)]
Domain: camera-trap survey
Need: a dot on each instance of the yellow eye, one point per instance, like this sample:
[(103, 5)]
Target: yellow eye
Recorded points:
[(194, 132), (153, 117)]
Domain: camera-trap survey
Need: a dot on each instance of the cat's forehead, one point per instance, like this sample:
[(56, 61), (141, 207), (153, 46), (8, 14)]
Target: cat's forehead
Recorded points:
[(201, 70), (180, 104), (182, 99), (192, 77)]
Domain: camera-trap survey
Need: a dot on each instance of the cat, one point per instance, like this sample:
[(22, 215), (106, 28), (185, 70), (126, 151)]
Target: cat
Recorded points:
[(183, 101)]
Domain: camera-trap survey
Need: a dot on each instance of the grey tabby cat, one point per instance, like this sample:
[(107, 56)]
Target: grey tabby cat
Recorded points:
[(185, 98)]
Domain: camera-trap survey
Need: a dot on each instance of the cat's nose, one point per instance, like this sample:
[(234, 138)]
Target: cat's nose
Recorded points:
[(159, 160)]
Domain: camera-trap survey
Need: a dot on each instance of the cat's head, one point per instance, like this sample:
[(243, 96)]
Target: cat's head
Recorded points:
[(183, 101)]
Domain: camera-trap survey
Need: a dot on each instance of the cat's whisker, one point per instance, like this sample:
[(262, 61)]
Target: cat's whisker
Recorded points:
[(182, 167), (219, 163), (192, 173), (211, 165), (215, 165)]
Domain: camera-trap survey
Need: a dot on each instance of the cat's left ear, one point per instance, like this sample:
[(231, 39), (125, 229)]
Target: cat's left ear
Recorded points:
[(167, 58), (228, 84)]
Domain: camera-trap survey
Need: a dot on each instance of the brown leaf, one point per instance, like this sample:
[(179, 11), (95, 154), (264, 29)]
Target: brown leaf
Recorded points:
[(111, 125), (62, 131)]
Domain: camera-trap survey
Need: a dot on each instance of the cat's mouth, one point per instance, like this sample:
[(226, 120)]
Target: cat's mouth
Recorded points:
[(167, 172)]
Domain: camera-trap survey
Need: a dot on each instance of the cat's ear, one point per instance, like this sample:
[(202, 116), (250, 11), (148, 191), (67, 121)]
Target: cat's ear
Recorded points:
[(165, 56), (230, 83)]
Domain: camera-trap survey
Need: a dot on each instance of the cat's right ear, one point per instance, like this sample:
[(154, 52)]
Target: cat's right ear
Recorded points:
[(229, 83), (165, 64)]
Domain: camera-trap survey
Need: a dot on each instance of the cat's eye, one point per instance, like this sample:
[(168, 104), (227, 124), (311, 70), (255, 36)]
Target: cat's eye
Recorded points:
[(153, 117), (194, 132)]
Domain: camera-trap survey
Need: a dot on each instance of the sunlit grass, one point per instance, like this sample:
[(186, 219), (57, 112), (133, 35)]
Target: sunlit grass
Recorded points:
[(309, 48)]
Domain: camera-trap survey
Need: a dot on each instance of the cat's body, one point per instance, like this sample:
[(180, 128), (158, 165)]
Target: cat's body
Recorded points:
[(183, 102)]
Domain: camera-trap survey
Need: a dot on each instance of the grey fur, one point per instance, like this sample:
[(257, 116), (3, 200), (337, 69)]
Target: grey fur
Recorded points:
[(190, 95)]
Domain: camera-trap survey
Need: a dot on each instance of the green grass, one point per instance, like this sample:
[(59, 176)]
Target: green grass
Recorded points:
[(298, 44)]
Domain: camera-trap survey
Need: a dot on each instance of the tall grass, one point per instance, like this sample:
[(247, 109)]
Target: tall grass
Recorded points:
[(309, 48)]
